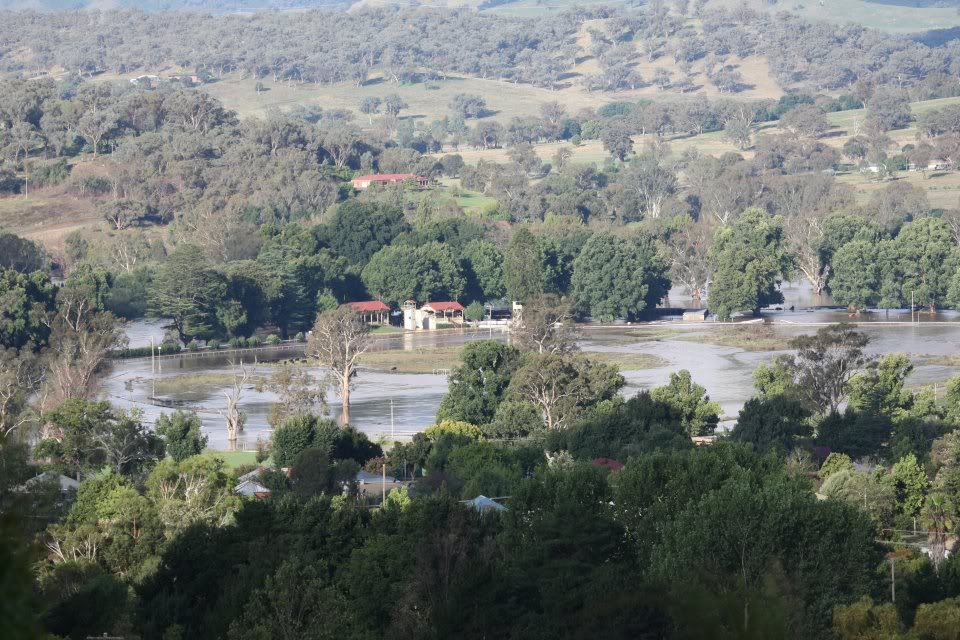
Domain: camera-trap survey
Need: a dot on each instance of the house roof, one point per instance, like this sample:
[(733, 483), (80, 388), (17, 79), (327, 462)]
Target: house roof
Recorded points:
[(609, 463), (66, 483), (483, 503), (444, 306), (365, 477), (250, 488), (384, 177), (365, 306)]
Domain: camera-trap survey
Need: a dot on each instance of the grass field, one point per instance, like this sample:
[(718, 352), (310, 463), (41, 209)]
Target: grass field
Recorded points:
[(427, 100), (894, 19), (446, 358), (233, 459), (749, 338)]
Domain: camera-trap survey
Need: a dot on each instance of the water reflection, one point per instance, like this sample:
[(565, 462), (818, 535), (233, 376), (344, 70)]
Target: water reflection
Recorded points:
[(725, 371)]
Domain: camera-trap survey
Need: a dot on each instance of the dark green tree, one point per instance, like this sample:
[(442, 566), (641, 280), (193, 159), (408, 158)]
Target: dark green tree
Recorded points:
[(523, 267), (690, 401), (617, 277), (26, 304), (772, 423), (181, 433), (749, 259), (403, 272), (360, 229), (189, 291), (479, 383)]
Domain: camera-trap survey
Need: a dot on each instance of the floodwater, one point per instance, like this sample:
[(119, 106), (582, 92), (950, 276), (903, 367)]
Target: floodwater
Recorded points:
[(385, 403)]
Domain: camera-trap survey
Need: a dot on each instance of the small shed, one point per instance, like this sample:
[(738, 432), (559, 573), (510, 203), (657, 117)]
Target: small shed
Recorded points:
[(695, 315)]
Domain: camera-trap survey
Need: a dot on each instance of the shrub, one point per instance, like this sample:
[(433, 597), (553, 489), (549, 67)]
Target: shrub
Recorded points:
[(273, 339), (254, 341), (454, 427), (300, 337), (213, 344)]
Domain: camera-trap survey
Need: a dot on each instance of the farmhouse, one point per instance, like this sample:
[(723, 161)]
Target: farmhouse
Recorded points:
[(363, 182), (371, 311)]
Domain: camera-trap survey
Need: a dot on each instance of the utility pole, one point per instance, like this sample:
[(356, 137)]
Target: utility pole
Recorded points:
[(393, 438), (893, 580), (153, 371), (383, 485)]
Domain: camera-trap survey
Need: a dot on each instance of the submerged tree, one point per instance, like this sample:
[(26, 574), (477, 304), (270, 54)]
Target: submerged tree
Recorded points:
[(338, 341)]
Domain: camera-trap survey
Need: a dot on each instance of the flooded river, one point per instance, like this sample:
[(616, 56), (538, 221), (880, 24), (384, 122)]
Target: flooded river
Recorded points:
[(406, 403)]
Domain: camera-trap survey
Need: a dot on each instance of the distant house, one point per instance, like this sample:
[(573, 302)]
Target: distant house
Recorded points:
[(66, 483), (431, 314), (249, 485), (608, 463), (363, 182), (483, 504), (371, 311), (251, 489), (147, 81)]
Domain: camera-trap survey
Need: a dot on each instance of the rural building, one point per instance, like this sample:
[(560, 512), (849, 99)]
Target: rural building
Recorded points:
[(695, 315), (146, 81), (362, 182), (498, 311), (430, 315), (371, 311)]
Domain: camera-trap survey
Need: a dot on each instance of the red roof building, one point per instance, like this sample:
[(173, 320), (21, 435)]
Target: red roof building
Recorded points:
[(443, 307), (372, 311), (362, 182)]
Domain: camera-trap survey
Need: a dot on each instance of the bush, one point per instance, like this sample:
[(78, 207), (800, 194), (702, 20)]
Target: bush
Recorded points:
[(213, 344), (300, 337), (294, 435), (834, 463), (50, 175), (454, 427), (273, 339), (254, 341), (193, 345)]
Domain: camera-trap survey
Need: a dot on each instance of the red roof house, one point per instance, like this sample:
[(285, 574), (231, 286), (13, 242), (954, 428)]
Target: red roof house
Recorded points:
[(372, 311), (444, 307), (362, 182)]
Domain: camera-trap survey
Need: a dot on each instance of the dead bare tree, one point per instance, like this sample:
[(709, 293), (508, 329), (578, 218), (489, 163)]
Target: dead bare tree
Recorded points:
[(80, 340), (339, 338), (234, 417), (545, 326), (690, 256), (805, 234), (20, 376)]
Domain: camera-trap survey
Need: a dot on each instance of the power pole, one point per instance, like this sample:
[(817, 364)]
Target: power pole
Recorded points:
[(893, 580), (383, 485)]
